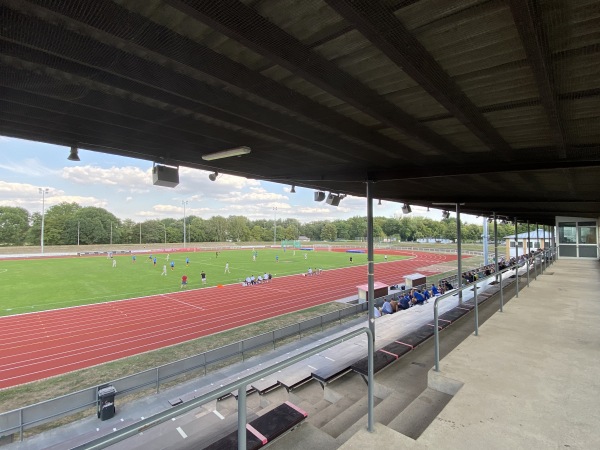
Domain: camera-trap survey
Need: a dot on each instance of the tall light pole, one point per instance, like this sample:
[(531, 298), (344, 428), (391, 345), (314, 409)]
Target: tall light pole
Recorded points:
[(184, 203), (140, 233), (165, 227), (275, 225), (111, 231), (78, 233), (43, 191)]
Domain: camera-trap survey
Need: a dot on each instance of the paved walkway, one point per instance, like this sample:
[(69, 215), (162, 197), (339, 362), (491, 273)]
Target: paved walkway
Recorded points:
[(530, 380)]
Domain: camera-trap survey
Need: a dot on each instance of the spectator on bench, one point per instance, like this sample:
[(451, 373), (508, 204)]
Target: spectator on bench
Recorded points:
[(434, 290), (426, 294), (394, 304), (419, 297), (387, 307), (376, 312), (404, 302)]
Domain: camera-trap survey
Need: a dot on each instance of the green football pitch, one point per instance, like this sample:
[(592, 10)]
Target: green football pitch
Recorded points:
[(48, 283)]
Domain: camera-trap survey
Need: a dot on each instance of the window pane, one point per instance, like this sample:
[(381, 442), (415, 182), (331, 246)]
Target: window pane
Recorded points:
[(567, 232), (587, 235)]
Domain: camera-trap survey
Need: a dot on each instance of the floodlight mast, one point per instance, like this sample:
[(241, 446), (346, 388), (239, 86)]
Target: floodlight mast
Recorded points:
[(43, 191)]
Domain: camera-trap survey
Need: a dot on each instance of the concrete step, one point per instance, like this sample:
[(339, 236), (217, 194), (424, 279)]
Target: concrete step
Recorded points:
[(384, 412), (311, 392), (333, 410), (304, 436), (348, 417), (313, 408), (420, 413), (271, 400)]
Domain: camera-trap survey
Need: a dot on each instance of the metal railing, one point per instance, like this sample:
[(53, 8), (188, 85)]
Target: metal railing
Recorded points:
[(545, 258), (30, 416), (240, 385)]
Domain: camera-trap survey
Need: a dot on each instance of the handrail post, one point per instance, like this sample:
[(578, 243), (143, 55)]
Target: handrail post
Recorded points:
[(517, 278), (476, 309), (544, 264), (370, 370), (527, 271), (242, 418), (436, 333), (502, 291)]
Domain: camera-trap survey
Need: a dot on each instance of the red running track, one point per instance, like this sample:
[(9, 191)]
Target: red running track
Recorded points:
[(40, 345)]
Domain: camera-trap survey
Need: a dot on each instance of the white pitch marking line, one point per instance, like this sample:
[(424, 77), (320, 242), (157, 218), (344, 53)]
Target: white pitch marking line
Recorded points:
[(181, 432), (313, 368), (330, 359), (218, 414)]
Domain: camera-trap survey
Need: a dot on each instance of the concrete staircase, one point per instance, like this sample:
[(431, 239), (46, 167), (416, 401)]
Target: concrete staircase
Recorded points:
[(404, 404)]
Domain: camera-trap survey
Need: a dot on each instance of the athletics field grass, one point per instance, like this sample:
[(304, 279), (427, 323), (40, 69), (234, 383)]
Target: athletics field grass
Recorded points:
[(40, 284)]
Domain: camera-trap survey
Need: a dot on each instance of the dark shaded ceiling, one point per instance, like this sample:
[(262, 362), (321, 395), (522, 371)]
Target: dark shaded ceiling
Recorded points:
[(494, 104)]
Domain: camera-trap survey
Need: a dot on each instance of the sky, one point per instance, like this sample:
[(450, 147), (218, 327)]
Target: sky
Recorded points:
[(123, 186)]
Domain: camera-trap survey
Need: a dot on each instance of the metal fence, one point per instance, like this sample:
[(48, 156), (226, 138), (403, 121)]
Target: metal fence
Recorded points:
[(22, 419)]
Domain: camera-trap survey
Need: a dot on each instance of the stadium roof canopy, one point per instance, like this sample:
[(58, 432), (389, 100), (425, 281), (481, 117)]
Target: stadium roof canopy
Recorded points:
[(490, 103)]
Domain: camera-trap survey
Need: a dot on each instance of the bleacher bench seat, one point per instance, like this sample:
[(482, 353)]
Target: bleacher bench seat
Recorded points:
[(263, 429)]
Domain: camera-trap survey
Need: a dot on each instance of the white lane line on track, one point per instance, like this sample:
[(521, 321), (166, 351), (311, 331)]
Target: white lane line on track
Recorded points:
[(185, 303), (181, 432), (218, 414), (287, 291)]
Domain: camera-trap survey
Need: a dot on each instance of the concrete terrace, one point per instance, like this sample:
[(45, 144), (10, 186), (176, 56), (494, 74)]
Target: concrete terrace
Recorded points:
[(529, 380)]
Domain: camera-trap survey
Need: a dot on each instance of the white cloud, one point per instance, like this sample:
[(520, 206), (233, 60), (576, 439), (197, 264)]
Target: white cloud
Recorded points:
[(190, 179), (30, 167), (253, 197), (309, 210), (28, 196), (127, 178)]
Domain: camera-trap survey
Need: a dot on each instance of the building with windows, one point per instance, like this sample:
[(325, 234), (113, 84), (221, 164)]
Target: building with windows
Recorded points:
[(538, 239), (577, 237)]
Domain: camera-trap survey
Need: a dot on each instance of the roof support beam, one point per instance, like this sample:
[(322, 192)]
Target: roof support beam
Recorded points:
[(535, 42), (243, 24), (379, 25), (209, 62), (400, 173)]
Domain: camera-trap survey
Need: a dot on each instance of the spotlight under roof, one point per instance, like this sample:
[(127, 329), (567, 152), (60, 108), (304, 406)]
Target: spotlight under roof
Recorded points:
[(74, 155)]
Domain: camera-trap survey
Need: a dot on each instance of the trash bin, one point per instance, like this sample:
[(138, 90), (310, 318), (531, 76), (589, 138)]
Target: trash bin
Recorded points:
[(106, 402)]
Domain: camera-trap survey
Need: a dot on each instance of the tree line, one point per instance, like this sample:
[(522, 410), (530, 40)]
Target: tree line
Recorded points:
[(72, 224)]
